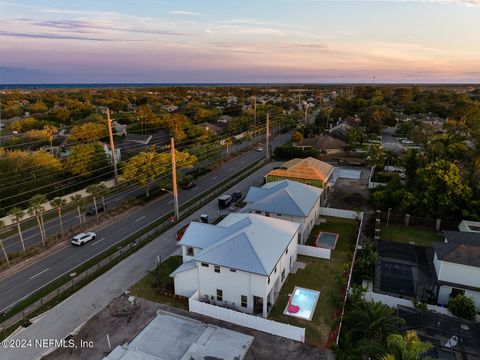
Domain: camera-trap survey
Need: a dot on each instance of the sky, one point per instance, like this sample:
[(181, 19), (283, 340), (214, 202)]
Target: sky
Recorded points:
[(233, 41)]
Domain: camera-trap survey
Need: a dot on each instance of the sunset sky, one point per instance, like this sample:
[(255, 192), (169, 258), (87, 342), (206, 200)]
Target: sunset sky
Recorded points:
[(239, 41)]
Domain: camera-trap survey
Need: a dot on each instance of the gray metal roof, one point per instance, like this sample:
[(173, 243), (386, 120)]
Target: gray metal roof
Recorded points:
[(188, 265), (285, 197), (460, 248), (246, 242)]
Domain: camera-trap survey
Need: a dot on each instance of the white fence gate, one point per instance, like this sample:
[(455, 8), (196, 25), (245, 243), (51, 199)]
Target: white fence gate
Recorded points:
[(314, 251), (345, 214), (246, 320)]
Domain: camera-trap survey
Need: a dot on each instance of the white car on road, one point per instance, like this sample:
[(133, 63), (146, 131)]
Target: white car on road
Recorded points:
[(82, 238), (407, 142)]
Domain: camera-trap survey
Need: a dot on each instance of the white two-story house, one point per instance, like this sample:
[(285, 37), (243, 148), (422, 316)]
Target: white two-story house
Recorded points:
[(241, 263), (457, 266), (287, 200)]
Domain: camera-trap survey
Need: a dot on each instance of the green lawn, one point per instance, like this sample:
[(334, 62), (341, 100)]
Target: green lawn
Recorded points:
[(399, 233), (144, 288), (320, 275)]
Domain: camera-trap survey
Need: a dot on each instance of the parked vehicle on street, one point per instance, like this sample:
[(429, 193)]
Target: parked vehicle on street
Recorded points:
[(189, 185), (91, 209), (259, 149), (82, 238), (180, 232), (236, 195), (224, 201)]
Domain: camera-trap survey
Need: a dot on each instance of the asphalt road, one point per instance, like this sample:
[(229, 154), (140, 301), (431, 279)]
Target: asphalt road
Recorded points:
[(31, 236), (389, 141), (68, 316), (32, 278)]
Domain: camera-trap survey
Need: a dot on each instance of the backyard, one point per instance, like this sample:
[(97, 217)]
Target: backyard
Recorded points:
[(321, 275), (152, 284), (410, 235)]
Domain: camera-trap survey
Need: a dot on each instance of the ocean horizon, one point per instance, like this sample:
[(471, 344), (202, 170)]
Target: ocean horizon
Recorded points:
[(147, 85)]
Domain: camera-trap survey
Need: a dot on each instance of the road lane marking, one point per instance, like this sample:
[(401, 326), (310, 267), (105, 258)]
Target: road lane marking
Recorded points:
[(230, 169), (41, 272), (215, 178), (140, 218), (243, 162), (170, 202), (96, 242)]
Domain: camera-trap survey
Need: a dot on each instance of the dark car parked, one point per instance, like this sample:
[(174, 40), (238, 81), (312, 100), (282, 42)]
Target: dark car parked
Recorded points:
[(236, 195), (91, 209)]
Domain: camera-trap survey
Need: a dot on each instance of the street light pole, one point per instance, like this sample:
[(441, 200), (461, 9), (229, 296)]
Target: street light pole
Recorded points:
[(174, 179), (112, 147), (388, 216)]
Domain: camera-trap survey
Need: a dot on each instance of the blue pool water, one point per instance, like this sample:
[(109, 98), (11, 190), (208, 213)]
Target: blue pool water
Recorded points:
[(327, 240), (306, 300)]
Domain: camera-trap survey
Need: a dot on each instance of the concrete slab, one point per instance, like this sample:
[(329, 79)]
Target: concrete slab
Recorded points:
[(175, 337)]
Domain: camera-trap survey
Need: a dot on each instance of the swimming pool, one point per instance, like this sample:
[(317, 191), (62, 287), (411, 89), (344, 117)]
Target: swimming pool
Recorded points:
[(327, 240), (302, 303)]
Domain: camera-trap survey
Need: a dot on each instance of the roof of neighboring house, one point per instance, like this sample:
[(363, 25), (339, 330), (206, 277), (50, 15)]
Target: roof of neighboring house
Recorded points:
[(460, 248), (306, 169), (324, 142), (350, 121), (210, 127), (284, 197), (246, 242)]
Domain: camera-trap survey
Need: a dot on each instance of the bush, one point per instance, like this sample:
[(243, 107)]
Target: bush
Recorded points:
[(462, 306), (288, 152)]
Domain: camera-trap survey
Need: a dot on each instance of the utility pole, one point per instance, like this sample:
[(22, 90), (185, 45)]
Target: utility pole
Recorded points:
[(267, 137), (174, 179), (254, 117), (112, 147)]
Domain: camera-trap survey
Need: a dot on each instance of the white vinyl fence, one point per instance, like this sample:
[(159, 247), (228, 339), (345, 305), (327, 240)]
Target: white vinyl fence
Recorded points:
[(246, 320), (314, 251), (345, 214), (392, 301)]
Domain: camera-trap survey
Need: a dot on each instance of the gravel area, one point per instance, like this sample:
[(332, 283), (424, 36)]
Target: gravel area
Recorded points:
[(123, 320)]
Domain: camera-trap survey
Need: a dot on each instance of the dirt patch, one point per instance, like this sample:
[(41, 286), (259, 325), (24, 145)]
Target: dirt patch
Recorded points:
[(351, 194), (122, 321)]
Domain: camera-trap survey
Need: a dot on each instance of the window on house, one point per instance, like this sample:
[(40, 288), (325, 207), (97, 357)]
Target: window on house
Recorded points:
[(219, 295), (275, 270), (233, 270), (456, 292), (279, 214), (189, 251), (299, 238), (217, 269), (205, 264), (283, 274), (269, 279), (267, 214), (258, 212), (243, 301), (286, 251)]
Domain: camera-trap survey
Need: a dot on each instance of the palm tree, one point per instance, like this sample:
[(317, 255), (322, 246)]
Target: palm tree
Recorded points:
[(78, 202), (94, 190), (2, 226), (50, 131), (58, 203), (17, 215), (406, 347), (228, 142), (36, 208), (372, 321), (102, 191)]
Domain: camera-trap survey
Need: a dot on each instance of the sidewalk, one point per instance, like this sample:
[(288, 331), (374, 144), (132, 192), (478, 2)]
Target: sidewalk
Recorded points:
[(72, 313)]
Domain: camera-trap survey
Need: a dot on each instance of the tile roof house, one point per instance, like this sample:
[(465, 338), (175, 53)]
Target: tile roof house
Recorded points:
[(457, 266), (253, 252), (309, 171), (324, 143), (287, 200)]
